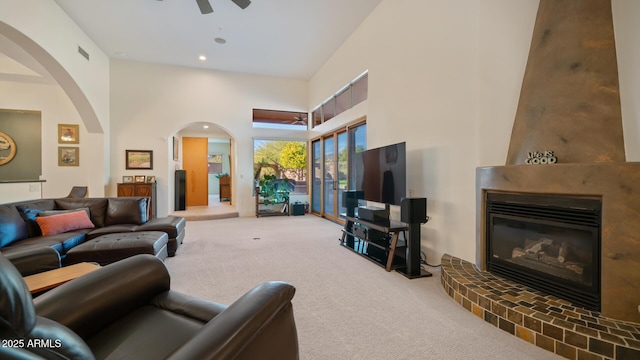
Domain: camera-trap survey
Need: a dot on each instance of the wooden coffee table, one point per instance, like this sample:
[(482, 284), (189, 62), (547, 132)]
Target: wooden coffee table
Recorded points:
[(52, 278)]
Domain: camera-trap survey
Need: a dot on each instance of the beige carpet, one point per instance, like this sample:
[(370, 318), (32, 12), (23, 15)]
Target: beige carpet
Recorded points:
[(346, 307)]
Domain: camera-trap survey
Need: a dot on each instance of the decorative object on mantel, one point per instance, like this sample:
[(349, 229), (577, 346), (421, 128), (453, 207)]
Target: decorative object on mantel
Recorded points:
[(68, 156), (7, 148), (68, 134), (139, 159), (541, 158)]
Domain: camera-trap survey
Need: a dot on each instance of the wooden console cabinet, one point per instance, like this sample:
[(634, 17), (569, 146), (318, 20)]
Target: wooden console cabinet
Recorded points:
[(140, 189), (225, 188)]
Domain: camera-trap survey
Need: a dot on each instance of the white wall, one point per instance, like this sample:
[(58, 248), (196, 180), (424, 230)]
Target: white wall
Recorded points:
[(158, 101), (627, 29), (422, 62), (56, 108), (42, 29), (49, 31), (504, 37), (445, 77)]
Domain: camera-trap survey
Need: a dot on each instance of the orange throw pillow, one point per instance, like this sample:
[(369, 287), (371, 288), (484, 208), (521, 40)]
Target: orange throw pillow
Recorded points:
[(57, 224)]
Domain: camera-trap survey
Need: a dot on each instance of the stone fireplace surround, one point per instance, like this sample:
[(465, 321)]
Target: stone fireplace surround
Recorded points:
[(569, 105), (619, 186), (544, 320)]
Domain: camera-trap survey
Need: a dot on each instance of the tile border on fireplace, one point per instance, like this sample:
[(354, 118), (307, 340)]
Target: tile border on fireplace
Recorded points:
[(543, 320)]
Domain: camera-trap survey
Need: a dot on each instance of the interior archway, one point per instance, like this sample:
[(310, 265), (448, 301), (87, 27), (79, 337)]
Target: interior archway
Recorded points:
[(11, 38), (220, 161)]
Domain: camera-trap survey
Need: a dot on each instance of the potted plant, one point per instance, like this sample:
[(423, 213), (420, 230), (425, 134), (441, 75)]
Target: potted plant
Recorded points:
[(272, 190)]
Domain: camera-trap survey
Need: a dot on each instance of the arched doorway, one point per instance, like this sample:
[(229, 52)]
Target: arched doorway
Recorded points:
[(205, 157)]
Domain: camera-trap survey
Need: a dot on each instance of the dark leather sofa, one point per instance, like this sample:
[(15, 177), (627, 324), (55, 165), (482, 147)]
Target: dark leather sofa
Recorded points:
[(21, 242), (127, 310)]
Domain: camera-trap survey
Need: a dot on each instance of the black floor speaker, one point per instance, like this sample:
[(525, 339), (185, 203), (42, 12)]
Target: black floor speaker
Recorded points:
[(413, 210), (181, 190)]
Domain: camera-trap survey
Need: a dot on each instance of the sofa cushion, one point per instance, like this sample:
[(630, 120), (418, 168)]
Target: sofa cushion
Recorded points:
[(40, 204), (58, 212), (126, 210), (31, 260), (111, 229), (140, 325), (12, 226), (61, 223), (172, 225), (97, 207), (29, 216), (110, 248), (60, 242)]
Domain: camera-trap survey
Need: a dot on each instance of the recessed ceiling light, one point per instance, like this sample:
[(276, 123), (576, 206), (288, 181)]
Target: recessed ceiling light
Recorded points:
[(206, 126), (202, 58), (220, 40)]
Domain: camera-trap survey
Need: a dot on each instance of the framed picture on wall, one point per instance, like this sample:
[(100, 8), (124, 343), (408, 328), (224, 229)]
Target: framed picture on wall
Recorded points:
[(68, 156), (139, 159), (215, 163), (7, 148), (68, 134)]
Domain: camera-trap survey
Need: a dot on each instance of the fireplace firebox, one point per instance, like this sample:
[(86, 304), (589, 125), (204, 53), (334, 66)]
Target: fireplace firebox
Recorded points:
[(548, 242)]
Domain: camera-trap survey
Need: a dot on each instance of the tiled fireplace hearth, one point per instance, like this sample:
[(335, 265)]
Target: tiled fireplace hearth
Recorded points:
[(546, 321)]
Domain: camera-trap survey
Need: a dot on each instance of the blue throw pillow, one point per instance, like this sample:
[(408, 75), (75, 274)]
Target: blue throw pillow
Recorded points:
[(12, 226), (29, 216)]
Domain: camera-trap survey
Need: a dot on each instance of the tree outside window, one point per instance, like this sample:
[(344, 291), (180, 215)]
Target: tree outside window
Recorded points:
[(286, 159)]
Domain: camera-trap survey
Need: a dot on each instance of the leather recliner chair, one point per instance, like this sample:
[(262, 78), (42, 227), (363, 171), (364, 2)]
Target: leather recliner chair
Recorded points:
[(126, 310)]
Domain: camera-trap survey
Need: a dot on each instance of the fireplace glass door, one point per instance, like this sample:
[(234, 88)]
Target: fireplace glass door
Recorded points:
[(547, 247)]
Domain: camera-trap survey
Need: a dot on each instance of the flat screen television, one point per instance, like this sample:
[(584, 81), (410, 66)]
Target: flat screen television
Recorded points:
[(381, 173)]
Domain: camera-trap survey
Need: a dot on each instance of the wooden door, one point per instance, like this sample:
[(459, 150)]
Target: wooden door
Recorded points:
[(194, 162)]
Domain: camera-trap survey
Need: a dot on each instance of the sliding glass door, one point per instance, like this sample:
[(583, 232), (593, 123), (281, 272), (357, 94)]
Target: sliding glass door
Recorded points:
[(342, 169), (330, 183), (316, 175), (333, 165)]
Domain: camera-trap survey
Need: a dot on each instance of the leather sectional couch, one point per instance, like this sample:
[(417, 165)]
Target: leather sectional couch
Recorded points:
[(30, 230)]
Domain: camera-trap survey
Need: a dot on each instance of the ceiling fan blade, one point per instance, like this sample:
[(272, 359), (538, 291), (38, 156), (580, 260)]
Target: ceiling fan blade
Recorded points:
[(205, 6), (242, 3)]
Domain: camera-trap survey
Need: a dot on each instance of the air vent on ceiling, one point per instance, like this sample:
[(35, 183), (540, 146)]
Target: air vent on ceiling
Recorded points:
[(83, 52)]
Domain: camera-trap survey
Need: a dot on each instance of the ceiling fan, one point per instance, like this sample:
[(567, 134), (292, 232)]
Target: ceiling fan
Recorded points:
[(299, 120), (205, 6)]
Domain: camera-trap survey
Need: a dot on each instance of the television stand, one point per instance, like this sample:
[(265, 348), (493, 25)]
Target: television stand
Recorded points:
[(379, 242)]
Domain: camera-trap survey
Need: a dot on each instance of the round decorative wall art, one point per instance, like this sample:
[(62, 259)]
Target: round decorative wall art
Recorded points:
[(7, 148)]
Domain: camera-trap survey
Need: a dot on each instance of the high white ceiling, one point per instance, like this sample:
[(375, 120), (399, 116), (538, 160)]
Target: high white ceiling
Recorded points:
[(281, 38)]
